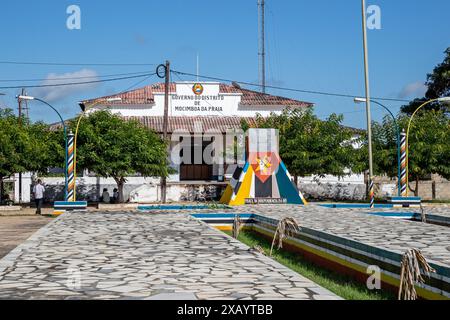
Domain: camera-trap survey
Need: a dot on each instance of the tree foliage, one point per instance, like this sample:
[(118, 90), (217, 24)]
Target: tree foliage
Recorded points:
[(438, 84), (48, 148), (12, 146), (26, 146), (113, 147), (384, 146), (429, 146), (310, 146), (439, 80)]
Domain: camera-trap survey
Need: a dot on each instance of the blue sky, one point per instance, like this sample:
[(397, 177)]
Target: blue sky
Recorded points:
[(311, 45)]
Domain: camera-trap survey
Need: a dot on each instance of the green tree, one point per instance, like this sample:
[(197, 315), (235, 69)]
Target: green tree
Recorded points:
[(384, 143), (10, 145), (429, 146), (48, 148), (438, 83), (25, 146), (384, 149), (113, 147), (310, 146)]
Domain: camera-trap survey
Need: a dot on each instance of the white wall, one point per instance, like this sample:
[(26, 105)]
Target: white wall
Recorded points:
[(26, 191), (353, 179)]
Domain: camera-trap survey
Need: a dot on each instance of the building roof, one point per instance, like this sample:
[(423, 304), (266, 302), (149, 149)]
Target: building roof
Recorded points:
[(194, 124), (189, 124), (145, 95)]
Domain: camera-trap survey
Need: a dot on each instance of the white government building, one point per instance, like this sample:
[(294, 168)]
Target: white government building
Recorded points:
[(194, 107)]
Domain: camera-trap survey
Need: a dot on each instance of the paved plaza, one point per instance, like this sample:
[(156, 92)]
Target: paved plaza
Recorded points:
[(440, 210), (133, 255), (355, 224), (171, 255)]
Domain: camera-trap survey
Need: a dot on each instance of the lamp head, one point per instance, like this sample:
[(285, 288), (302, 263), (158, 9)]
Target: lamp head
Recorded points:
[(445, 100), (360, 100), (25, 97)]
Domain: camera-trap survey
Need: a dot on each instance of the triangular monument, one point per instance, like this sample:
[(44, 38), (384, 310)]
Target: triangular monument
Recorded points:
[(264, 177)]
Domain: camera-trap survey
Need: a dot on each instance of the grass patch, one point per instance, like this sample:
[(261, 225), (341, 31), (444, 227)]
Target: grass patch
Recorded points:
[(216, 205), (341, 285)]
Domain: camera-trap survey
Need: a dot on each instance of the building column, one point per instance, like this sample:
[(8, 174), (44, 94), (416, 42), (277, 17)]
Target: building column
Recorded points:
[(26, 188)]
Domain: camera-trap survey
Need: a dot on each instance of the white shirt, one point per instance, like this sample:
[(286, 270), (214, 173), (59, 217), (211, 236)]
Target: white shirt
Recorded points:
[(38, 191), (106, 197)]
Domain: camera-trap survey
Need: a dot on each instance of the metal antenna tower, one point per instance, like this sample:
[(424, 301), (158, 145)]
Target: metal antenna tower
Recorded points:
[(261, 45)]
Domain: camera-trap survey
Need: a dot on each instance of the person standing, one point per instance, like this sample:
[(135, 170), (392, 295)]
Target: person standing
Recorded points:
[(115, 198), (105, 196), (38, 192)]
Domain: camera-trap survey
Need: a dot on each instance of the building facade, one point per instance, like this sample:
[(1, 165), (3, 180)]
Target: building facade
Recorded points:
[(200, 115)]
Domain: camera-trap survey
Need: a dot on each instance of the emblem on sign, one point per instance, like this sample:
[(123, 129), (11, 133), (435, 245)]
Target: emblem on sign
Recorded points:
[(197, 89), (264, 165)]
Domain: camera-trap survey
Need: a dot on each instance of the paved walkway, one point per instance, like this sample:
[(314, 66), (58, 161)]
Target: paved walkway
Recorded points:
[(390, 234), (16, 229), (144, 256), (439, 210)]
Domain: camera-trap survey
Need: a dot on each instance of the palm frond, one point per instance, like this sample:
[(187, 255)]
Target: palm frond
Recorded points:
[(237, 226), (258, 249), (413, 262), (287, 227)]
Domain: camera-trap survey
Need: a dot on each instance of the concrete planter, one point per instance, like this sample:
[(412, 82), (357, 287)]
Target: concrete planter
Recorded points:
[(10, 208)]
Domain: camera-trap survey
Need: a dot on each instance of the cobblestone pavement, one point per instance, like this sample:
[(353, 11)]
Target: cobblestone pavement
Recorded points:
[(386, 233), (16, 229), (439, 210), (144, 256)]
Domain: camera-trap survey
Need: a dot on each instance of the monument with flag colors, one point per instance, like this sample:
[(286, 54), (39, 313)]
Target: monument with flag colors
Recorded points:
[(264, 178)]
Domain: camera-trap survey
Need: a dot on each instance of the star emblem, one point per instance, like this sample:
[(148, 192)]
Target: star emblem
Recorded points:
[(263, 165)]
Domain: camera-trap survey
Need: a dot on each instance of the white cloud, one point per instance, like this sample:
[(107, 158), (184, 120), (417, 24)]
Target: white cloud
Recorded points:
[(413, 90), (53, 94)]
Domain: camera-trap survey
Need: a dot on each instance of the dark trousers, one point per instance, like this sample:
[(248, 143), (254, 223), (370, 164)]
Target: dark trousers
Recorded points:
[(38, 205)]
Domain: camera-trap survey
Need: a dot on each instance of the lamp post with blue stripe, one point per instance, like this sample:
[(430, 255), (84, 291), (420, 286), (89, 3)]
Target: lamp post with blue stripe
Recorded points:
[(70, 168), (403, 180), (397, 129)]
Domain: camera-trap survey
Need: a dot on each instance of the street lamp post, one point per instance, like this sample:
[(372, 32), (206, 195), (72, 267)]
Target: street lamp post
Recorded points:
[(1, 186), (444, 100), (369, 120), (397, 129), (65, 138)]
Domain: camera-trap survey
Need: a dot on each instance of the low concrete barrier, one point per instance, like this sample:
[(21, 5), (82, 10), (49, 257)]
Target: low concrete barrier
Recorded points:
[(10, 208), (117, 206), (61, 207), (405, 202)]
